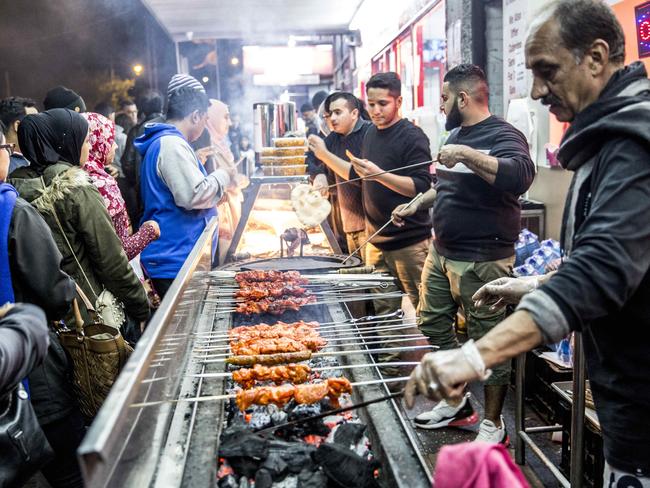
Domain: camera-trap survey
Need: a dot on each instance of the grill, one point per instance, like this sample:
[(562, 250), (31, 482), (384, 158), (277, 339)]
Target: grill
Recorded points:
[(174, 442)]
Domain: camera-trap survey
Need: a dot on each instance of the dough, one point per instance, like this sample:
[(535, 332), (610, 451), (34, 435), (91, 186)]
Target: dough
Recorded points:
[(310, 206)]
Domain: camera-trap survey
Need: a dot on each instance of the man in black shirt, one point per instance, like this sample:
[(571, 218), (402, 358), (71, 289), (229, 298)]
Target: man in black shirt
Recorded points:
[(484, 166), (392, 143), (348, 132)]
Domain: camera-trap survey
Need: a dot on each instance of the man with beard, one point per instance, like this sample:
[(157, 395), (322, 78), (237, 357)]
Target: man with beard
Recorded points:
[(576, 51), (484, 166)]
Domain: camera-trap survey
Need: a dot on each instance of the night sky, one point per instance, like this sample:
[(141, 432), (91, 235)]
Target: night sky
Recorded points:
[(45, 43)]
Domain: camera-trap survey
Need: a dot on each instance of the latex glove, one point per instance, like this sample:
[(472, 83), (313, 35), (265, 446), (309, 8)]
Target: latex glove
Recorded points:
[(321, 183), (401, 212), (451, 154), (444, 374), (505, 291)]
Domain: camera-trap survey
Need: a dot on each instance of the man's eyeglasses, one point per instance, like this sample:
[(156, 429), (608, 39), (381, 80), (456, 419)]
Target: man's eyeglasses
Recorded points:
[(9, 147)]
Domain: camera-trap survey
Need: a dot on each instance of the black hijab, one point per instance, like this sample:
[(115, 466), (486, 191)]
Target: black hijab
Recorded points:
[(52, 136)]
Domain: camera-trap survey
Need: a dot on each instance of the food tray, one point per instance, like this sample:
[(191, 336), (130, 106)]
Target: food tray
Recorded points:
[(289, 142), (283, 151), (293, 170), (282, 161)]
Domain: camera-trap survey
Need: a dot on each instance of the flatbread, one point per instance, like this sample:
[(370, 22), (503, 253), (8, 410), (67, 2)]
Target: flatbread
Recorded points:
[(310, 206)]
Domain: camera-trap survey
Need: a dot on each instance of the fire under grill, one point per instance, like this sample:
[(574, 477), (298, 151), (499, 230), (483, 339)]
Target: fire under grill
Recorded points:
[(151, 432)]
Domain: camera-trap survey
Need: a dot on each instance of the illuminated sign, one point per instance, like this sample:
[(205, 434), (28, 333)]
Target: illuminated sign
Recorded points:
[(643, 29)]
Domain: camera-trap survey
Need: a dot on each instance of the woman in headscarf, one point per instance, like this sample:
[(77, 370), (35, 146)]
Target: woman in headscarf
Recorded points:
[(101, 137), (230, 208)]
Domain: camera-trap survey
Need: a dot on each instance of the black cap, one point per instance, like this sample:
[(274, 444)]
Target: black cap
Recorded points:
[(62, 97)]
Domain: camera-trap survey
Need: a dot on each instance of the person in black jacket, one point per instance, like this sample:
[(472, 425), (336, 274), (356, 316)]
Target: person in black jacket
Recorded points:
[(36, 277), (23, 342), (576, 50), (150, 103)]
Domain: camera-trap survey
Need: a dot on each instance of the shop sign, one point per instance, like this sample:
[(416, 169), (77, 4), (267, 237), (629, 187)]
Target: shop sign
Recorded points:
[(515, 22)]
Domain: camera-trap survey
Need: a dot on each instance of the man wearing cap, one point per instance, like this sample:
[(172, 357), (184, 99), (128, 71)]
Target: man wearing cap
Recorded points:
[(176, 190), (62, 97)]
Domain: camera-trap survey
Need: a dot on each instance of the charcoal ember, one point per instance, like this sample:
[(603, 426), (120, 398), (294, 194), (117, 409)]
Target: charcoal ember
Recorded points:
[(229, 481), (312, 479), (322, 362), (331, 373), (349, 434), (260, 418), (243, 450), (263, 478), (345, 467), (298, 456), (278, 416), (310, 427)]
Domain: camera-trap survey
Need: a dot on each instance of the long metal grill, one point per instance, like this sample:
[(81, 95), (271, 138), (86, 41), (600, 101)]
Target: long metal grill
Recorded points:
[(175, 443)]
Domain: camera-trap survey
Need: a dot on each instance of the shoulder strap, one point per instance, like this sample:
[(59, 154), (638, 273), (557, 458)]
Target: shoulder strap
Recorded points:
[(65, 237)]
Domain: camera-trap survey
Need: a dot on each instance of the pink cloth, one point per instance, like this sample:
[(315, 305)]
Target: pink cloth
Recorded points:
[(101, 135), (477, 465)]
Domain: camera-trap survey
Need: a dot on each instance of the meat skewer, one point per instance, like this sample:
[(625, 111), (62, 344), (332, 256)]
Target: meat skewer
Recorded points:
[(212, 398), (296, 357)]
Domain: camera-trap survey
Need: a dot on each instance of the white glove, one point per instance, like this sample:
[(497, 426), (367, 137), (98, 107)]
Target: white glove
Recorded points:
[(505, 291), (401, 212), (444, 374)]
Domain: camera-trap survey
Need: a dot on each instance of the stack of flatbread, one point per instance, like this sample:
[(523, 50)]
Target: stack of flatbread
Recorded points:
[(310, 206)]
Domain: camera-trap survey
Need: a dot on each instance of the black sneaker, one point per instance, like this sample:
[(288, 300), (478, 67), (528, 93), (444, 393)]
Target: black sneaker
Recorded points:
[(444, 415)]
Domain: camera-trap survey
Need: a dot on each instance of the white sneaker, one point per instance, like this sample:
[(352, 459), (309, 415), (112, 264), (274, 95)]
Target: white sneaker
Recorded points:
[(488, 432), (445, 415)]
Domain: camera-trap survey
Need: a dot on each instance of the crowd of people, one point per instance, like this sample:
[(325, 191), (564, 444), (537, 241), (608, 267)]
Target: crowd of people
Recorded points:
[(106, 201)]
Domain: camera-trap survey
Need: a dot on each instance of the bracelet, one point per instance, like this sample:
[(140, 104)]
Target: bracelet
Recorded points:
[(475, 360)]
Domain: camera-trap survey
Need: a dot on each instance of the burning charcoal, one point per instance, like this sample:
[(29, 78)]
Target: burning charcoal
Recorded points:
[(349, 434), (314, 427), (229, 481), (243, 450), (275, 465), (263, 479), (260, 419), (297, 455), (346, 468), (278, 416), (312, 479)]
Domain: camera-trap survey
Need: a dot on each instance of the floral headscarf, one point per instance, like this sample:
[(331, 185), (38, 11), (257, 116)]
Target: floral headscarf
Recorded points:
[(101, 135)]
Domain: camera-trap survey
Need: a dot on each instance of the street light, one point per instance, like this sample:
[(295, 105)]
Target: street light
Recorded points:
[(205, 79), (138, 69), (234, 60)]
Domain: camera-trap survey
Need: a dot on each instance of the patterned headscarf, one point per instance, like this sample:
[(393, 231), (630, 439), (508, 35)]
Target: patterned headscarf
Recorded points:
[(101, 136)]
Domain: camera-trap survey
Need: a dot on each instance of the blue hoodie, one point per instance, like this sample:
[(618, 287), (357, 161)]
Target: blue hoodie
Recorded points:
[(177, 193)]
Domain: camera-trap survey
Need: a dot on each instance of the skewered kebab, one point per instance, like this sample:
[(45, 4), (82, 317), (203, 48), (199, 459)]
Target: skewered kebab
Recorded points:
[(271, 275), (278, 345), (280, 329), (274, 306), (257, 291), (294, 373), (332, 388)]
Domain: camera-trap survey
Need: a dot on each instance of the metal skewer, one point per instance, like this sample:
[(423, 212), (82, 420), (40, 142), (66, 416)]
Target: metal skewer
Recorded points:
[(336, 334), (404, 338), (366, 319), (336, 353), (228, 396), (226, 347), (390, 221)]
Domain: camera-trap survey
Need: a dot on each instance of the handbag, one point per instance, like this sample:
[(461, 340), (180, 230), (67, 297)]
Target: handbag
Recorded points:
[(23, 444), (109, 308), (98, 352)]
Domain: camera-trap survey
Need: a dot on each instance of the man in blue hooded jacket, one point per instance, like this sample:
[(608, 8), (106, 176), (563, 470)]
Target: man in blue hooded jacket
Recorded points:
[(176, 190)]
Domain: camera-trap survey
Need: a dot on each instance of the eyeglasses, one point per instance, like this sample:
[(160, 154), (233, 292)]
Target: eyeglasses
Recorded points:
[(9, 147)]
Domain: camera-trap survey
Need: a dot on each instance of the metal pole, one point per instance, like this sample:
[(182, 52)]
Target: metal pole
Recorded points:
[(578, 413), (520, 446), (216, 68), (178, 56)]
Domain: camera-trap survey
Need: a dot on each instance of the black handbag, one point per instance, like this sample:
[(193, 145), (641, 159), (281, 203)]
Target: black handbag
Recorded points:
[(23, 444)]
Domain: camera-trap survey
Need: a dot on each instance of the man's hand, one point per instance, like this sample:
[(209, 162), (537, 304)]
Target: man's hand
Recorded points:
[(321, 183), (441, 374), (363, 167), (451, 154), (505, 291), (112, 170), (317, 145), (404, 210)]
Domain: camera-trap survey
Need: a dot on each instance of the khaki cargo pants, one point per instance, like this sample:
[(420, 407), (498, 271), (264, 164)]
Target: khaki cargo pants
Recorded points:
[(406, 265), (447, 285)]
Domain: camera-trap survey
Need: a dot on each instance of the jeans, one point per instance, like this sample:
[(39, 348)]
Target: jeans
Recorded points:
[(64, 435)]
